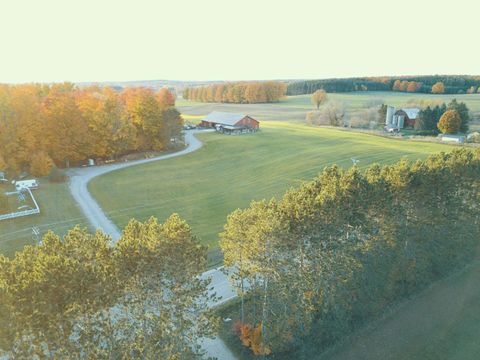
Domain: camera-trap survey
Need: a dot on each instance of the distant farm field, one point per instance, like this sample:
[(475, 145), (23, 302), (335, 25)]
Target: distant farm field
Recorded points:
[(230, 171), (294, 108)]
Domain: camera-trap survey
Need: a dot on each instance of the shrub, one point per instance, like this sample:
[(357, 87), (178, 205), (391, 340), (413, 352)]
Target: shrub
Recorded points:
[(57, 176), (332, 114), (474, 138), (41, 164)]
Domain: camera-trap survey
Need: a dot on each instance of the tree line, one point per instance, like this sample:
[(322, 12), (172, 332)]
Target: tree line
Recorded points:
[(429, 117), (448, 84), (337, 251), (254, 92), (61, 124), (79, 297)]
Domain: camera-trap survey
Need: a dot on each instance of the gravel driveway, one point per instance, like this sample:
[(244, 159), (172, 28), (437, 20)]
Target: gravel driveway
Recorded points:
[(78, 185)]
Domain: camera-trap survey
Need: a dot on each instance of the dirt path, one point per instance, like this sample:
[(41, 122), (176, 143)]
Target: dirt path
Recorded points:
[(79, 179)]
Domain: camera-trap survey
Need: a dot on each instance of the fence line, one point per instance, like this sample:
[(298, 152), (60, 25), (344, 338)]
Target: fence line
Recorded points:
[(24, 212)]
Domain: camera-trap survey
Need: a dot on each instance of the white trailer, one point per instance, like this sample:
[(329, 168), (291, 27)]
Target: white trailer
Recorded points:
[(26, 184)]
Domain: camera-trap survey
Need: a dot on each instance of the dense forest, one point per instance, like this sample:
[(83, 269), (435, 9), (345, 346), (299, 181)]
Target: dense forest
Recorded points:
[(61, 124), (337, 251), (421, 84), (238, 93)]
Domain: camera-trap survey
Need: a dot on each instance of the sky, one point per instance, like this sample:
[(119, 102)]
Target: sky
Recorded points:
[(107, 40)]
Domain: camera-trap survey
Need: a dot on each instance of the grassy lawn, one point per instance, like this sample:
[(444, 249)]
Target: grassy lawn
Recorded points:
[(230, 171), (58, 212)]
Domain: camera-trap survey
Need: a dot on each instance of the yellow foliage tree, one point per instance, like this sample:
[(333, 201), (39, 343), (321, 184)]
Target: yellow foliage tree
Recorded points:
[(3, 164), (319, 97), (41, 164), (450, 122), (438, 88)]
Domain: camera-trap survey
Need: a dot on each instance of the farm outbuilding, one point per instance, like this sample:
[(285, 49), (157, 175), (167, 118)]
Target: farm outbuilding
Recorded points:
[(401, 118), (229, 123)]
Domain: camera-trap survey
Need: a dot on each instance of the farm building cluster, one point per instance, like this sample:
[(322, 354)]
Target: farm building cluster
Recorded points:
[(230, 123), (401, 118)]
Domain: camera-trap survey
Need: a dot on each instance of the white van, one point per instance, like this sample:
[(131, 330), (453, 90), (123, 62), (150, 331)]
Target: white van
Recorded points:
[(26, 184)]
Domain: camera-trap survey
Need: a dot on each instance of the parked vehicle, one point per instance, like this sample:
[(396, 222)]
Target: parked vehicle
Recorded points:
[(189, 127)]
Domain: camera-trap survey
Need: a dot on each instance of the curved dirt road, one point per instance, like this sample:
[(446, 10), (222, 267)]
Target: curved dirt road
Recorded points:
[(78, 185)]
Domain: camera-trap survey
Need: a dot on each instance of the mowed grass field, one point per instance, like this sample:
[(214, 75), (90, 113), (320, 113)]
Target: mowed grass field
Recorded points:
[(231, 171), (58, 213)]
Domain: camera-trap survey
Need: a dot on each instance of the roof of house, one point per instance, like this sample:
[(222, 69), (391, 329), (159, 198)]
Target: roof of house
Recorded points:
[(412, 113), (225, 118)]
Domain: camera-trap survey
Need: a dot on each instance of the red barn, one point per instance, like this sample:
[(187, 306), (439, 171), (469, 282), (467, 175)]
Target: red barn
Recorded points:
[(226, 122), (407, 117)]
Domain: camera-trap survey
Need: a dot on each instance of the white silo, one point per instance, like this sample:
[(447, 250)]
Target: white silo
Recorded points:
[(389, 117)]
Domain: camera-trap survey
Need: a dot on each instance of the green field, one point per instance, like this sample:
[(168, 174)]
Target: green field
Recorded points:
[(58, 213), (230, 171)]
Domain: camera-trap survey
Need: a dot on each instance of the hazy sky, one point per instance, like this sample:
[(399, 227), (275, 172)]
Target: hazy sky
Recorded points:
[(98, 40)]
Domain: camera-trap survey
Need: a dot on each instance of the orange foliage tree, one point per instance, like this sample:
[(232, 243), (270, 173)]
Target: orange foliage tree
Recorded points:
[(438, 88), (251, 337), (450, 122), (69, 124), (253, 92), (41, 164)]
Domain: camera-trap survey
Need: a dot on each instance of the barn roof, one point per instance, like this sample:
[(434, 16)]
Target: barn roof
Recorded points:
[(224, 117), (412, 113)]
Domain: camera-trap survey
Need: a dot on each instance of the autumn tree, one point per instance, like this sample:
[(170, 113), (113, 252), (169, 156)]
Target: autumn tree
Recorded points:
[(72, 124), (319, 97), (404, 85), (219, 93), (438, 88), (396, 85), (41, 164), (413, 86), (165, 98), (450, 122), (3, 164), (68, 132), (252, 92)]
